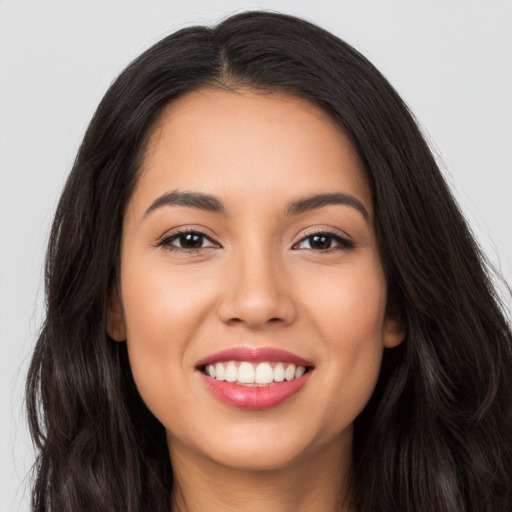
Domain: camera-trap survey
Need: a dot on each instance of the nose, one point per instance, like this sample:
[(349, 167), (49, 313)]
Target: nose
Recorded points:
[(256, 293)]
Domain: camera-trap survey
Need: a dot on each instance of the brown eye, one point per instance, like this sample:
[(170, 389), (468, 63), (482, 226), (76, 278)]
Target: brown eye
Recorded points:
[(320, 241), (324, 242), (190, 240), (187, 241)]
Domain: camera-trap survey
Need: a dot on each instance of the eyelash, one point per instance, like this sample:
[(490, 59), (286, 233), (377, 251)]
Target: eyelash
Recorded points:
[(166, 242)]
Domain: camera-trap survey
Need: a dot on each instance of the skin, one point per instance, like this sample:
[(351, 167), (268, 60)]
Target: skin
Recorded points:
[(258, 282)]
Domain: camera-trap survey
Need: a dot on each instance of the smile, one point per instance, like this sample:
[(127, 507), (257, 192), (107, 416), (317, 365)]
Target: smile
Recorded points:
[(246, 374), (250, 378)]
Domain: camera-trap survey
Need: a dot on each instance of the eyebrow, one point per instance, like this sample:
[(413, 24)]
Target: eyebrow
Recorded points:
[(296, 207), (319, 200), (192, 199)]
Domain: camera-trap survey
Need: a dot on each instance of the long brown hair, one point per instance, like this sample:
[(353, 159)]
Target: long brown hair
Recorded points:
[(436, 434)]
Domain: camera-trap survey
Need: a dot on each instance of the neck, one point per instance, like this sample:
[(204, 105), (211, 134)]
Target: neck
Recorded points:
[(312, 482)]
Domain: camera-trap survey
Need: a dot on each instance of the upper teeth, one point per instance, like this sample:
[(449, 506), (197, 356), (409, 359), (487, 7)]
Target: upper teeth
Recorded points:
[(243, 372)]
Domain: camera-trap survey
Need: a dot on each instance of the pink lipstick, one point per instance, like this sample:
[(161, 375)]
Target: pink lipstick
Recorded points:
[(254, 355), (250, 378)]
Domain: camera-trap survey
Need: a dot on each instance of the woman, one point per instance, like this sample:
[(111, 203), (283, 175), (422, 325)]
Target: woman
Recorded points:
[(262, 296)]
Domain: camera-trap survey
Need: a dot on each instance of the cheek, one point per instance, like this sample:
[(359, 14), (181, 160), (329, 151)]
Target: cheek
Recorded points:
[(349, 318), (349, 306), (163, 303), (163, 308)]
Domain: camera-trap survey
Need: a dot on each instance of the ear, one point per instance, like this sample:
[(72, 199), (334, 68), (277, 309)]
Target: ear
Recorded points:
[(116, 328), (393, 329)]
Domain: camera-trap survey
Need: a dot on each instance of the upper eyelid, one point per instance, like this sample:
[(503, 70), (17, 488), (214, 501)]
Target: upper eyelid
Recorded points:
[(343, 241), (303, 234), (183, 230), (326, 231)]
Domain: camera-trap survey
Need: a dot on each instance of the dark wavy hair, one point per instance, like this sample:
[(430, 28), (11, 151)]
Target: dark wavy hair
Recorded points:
[(436, 434)]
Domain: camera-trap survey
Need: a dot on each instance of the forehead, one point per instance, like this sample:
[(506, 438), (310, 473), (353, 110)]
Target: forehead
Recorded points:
[(240, 143)]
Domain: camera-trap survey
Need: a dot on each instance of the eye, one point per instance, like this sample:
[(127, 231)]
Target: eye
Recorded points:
[(324, 242), (190, 241)]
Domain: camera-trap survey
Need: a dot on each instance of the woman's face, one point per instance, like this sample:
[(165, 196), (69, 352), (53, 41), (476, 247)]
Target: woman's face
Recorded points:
[(251, 231)]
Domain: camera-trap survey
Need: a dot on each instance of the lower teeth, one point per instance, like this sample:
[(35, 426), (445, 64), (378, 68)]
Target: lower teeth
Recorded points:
[(253, 385)]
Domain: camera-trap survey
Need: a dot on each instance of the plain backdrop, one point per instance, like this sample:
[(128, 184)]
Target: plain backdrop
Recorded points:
[(450, 60)]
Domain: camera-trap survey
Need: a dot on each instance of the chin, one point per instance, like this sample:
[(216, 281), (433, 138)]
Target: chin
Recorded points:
[(260, 449), (256, 459)]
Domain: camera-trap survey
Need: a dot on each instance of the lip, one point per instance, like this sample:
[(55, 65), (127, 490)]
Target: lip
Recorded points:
[(254, 397), (254, 355)]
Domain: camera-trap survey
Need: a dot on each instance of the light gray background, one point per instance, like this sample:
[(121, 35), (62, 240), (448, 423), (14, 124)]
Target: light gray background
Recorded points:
[(450, 60)]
